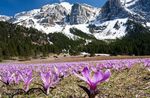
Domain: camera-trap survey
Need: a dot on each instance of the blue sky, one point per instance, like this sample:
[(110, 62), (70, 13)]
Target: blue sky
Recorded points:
[(10, 7)]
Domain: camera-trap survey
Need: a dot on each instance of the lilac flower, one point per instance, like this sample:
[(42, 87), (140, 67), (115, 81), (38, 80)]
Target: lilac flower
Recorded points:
[(7, 78), (49, 80), (27, 79), (16, 77), (59, 71), (146, 63), (93, 80)]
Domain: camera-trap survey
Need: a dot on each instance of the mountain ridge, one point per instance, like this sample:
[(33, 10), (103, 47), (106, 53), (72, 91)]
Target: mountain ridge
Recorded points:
[(107, 22)]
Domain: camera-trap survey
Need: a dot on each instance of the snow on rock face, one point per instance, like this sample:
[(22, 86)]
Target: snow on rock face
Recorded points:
[(58, 17), (138, 10), (56, 14), (4, 18), (148, 24), (141, 8), (108, 22), (48, 15), (66, 5), (82, 27), (114, 15), (82, 13), (112, 9), (110, 29), (128, 3)]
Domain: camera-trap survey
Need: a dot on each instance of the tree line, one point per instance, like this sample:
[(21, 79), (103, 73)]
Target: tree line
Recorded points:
[(18, 41)]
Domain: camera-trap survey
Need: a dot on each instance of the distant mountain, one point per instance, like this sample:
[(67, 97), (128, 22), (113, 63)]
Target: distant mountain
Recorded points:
[(107, 22)]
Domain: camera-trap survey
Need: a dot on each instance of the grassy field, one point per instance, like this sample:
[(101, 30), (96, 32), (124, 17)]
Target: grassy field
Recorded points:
[(127, 83)]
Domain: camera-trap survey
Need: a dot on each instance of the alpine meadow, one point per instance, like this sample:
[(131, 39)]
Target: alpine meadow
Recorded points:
[(75, 49)]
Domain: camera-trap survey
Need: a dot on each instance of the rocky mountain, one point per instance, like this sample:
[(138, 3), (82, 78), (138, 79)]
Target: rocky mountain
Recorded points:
[(108, 22), (135, 9), (82, 13), (58, 17), (112, 21)]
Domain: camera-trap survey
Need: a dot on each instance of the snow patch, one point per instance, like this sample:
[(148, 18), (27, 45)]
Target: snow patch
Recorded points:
[(112, 32), (148, 24), (66, 5)]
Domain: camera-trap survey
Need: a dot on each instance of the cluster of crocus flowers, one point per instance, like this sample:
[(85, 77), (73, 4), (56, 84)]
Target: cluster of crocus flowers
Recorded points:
[(93, 80), (52, 74)]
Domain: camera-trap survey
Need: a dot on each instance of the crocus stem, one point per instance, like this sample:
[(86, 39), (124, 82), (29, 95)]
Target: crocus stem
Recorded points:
[(47, 91), (92, 96)]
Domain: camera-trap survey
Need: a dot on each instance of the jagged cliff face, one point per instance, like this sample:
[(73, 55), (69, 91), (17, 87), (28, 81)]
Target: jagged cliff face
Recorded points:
[(137, 10), (82, 14), (48, 15), (114, 15), (142, 8), (113, 9), (56, 14), (77, 15), (108, 22)]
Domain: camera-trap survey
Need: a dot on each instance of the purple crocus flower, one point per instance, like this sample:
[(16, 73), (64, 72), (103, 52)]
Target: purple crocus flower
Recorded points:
[(58, 71), (16, 77), (27, 79), (49, 80), (95, 79), (7, 78)]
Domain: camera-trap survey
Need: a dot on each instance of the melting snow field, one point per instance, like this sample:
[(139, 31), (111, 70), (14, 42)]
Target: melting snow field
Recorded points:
[(110, 32)]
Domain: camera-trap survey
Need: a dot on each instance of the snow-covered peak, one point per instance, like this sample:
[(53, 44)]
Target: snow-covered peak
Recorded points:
[(4, 18), (107, 22), (66, 5), (27, 13)]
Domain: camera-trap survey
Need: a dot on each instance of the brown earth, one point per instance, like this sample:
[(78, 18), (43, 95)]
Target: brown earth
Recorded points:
[(56, 59)]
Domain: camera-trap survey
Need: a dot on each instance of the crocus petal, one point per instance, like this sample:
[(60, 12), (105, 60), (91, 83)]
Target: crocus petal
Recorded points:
[(82, 78), (97, 77), (86, 73), (106, 75), (47, 77), (56, 70), (27, 83), (43, 77)]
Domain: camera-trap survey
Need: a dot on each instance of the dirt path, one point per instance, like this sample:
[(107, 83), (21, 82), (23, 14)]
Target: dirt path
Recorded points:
[(72, 59)]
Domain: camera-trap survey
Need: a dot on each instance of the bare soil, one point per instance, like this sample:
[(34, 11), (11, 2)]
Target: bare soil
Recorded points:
[(60, 58)]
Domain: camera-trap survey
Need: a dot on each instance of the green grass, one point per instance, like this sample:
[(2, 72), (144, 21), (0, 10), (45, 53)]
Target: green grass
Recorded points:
[(128, 83)]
